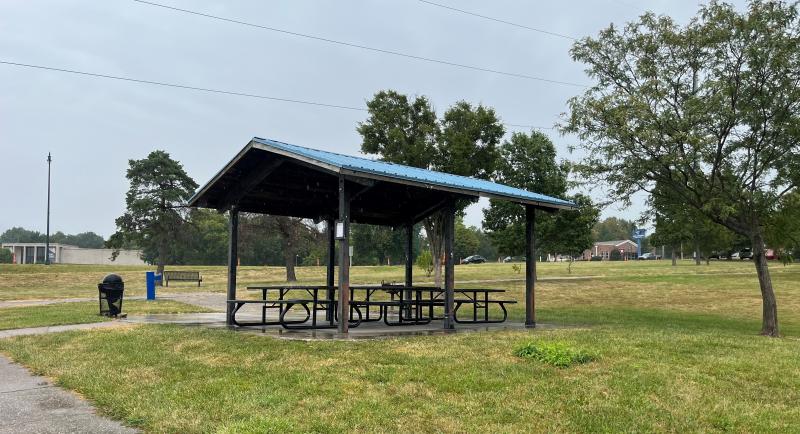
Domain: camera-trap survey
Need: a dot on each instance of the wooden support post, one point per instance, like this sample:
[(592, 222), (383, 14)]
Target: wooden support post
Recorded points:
[(409, 250), (449, 266), (530, 267), (344, 257), (233, 260), (329, 281), (409, 254)]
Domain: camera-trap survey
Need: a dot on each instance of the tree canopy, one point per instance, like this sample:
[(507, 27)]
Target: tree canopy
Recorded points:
[(463, 142), (529, 161), (89, 240), (155, 206)]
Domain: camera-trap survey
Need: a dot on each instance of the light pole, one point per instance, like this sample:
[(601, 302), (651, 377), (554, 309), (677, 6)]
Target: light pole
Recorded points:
[(47, 236)]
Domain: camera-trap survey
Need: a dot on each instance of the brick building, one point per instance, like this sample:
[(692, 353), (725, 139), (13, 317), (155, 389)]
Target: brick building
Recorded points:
[(604, 249)]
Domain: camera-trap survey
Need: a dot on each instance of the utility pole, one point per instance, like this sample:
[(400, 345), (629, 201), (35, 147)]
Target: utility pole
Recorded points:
[(47, 237)]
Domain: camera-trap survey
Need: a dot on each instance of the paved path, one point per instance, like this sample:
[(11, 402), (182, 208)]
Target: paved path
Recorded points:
[(25, 303), (61, 328), (31, 404), (210, 300)]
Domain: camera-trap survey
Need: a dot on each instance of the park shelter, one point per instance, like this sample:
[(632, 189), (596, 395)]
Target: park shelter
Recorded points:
[(272, 177)]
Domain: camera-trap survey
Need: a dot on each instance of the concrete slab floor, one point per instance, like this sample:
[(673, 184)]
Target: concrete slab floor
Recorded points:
[(370, 330)]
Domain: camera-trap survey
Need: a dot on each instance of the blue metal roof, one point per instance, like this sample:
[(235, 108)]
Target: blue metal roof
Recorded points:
[(462, 184)]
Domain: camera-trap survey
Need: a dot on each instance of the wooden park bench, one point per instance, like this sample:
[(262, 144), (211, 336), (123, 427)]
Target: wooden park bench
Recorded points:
[(182, 276)]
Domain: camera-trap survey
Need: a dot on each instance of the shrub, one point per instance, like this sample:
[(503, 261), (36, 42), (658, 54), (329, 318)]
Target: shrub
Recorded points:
[(5, 256), (425, 261), (557, 354), (517, 269)]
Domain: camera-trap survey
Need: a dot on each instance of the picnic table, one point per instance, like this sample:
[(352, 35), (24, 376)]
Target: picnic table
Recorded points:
[(414, 305)]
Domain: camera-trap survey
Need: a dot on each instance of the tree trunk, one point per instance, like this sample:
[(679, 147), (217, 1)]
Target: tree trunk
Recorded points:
[(674, 259), (288, 228), (769, 319), (697, 260), (290, 258), (434, 228), (162, 257)]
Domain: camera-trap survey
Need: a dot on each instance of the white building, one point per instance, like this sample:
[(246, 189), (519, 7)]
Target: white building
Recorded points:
[(33, 253)]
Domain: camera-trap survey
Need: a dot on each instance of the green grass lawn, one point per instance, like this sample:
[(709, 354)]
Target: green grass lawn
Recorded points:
[(82, 312), (676, 349)]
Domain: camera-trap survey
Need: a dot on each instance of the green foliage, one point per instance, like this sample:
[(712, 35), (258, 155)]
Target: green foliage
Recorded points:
[(425, 261), (703, 115), (676, 225), (380, 245), (6, 257), (463, 142), (204, 240), (613, 228), (529, 162), (467, 240), (399, 131), (155, 213), (573, 228), (557, 354), (468, 141), (89, 240), (783, 230), (516, 268)]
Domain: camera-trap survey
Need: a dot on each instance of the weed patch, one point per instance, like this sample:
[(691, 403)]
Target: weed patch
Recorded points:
[(557, 354)]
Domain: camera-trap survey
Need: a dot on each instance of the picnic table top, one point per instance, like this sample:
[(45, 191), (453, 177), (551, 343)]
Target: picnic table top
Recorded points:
[(387, 288)]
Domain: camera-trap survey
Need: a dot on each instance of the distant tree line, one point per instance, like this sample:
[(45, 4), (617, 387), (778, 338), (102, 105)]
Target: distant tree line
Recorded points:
[(88, 240)]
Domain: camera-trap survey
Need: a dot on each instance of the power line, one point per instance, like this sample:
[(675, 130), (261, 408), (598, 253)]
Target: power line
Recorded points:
[(208, 90), (182, 86), (522, 26), (363, 47)]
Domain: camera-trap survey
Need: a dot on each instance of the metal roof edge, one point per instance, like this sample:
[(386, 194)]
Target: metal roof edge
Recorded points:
[(266, 145), (560, 204), (314, 161), (218, 175)]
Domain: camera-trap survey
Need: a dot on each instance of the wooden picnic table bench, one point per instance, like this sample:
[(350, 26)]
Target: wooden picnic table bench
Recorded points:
[(182, 276)]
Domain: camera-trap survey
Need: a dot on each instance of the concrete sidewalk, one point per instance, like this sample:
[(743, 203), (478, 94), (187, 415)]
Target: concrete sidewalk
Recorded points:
[(60, 328), (209, 300), (31, 404)]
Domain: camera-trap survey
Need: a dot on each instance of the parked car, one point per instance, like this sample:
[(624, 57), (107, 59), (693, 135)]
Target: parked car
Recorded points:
[(771, 255), (721, 255), (474, 259), (649, 255), (746, 253), (514, 259), (734, 256)]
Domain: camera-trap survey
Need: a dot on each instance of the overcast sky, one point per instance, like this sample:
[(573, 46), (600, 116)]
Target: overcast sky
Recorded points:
[(94, 126)]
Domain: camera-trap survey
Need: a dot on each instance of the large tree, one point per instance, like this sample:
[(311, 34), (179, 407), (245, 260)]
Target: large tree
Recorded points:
[(407, 132), (529, 161), (708, 111), (155, 206)]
